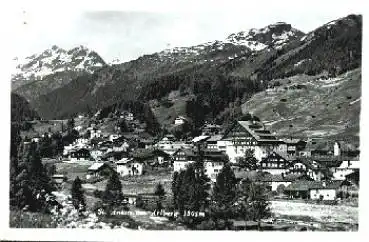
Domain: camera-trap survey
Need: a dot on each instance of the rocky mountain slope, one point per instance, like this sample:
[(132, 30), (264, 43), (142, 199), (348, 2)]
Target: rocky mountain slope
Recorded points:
[(154, 76), (20, 109), (217, 77), (309, 106), (42, 73)]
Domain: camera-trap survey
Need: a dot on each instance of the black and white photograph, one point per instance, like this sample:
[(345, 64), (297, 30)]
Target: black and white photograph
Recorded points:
[(241, 118)]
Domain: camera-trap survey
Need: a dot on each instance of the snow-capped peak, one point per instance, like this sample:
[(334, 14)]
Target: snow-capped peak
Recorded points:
[(275, 35), (55, 60)]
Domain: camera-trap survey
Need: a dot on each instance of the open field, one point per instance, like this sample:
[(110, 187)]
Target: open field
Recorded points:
[(319, 215), (312, 105), (40, 127), (138, 184), (72, 170)]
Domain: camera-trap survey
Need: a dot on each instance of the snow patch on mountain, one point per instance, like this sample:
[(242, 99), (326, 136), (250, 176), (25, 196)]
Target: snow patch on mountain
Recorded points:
[(55, 60)]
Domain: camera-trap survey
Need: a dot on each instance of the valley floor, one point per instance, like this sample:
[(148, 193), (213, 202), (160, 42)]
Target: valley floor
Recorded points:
[(316, 216)]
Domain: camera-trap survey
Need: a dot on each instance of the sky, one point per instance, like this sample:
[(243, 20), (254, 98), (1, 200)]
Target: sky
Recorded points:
[(129, 32)]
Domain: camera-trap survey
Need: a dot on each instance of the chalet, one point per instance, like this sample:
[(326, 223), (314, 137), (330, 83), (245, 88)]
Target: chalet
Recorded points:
[(279, 182), (300, 189), (346, 167), (311, 168), (151, 156), (146, 143), (99, 169), (293, 146), (211, 129), (327, 148), (349, 187), (170, 147), (96, 154), (114, 156), (79, 155), (94, 132), (342, 148), (120, 147), (315, 190), (274, 164), (212, 142), (182, 158), (129, 167), (213, 163), (325, 190), (245, 135)]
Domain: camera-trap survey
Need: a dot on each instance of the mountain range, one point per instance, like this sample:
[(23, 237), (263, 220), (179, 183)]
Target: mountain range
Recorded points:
[(213, 81)]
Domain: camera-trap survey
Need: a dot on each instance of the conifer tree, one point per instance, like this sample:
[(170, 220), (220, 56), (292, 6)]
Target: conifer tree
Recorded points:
[(174, 189), (113, 191), (159, 190), (225, 190), (78, 195)]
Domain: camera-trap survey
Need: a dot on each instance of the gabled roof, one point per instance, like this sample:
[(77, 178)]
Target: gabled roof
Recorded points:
[(308, 185), (354, 177), (148, 153), (272, 155), (187, 152), (292, 140), (125, 161), (309, 163), (349, 165), (200, 138), (258, 131), (215, 138), (96, 166)]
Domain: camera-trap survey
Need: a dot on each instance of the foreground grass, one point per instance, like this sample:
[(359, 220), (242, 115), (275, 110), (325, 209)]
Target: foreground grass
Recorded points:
[(21, 219)]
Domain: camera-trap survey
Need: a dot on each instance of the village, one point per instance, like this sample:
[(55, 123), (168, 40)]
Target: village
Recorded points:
[(309, 171)]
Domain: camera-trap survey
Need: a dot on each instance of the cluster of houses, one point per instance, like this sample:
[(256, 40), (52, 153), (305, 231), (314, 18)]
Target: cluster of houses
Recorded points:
[(313, 168), (298, 168)]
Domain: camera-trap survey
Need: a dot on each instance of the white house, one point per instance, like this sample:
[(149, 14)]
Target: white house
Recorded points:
[(325, 191), (306, 166), (94, 133), (212, 169), (78, 128), (347, 167), (180, 120), (96, 154), (182, 158), (170, 147), (36, 140), (123, 147), (128, 116), (336, 149), (129, 167), (112, 137), (213, 161)]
